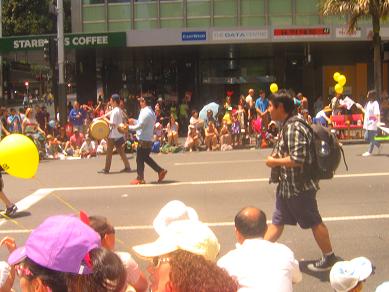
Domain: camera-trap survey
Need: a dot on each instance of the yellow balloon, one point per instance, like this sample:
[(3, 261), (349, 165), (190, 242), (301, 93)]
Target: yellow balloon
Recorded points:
[(338, 88), (19, 156), (342, 80), (336, 76), (273, 88)]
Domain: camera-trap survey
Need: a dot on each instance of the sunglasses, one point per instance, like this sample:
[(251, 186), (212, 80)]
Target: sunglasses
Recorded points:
[(157, 261)]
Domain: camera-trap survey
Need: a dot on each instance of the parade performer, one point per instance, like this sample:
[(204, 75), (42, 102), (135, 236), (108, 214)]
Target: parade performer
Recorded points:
[(145, 129), (115, 138)]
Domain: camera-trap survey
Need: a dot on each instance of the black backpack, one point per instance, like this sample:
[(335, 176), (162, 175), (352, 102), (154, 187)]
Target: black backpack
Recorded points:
[(326, 150)]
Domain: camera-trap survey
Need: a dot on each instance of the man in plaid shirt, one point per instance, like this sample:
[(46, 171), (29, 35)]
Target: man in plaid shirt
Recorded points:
[(296, 191)]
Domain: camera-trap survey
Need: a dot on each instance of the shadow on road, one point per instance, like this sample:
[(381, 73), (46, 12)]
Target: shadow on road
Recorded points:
[(322, 276), (164, 182), (18, 215)]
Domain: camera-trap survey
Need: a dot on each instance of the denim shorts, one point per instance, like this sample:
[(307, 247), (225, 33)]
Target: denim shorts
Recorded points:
[(301, 209)]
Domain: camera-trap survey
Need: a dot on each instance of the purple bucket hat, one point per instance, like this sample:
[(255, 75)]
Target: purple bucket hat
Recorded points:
[(61, 243)]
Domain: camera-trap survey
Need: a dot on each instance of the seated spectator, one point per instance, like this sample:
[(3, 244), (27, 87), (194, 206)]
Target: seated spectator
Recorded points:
[(6, 277), (210, 118), (158, 132), (74, 144), (258, 131), (88, 148), (211, 137), (258, 264), (54, 250), (172, 131), (7, 273), (182, 260), (349, 275), (14, 122), (193, 139), (225, 137), (197, 123), (53, 148), (271, 133), (102, 147), (135, 277), (323, 117), (235, 130)]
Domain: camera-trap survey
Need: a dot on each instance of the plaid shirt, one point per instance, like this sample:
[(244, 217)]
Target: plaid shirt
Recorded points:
[(295, 140)]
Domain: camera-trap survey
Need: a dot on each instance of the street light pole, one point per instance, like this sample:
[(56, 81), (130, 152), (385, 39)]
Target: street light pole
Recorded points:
[(61, 61)]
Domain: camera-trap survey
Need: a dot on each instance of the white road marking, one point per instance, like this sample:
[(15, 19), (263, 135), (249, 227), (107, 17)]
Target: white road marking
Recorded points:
[(218, 162), (221, 224), (40, 194)]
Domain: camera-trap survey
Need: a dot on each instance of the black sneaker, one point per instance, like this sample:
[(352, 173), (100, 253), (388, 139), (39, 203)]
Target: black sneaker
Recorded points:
[(104, 171), (11, 211), (323, 264)]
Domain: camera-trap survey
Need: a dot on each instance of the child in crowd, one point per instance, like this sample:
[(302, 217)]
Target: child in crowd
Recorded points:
[(211, 135), (53, 148), (158, 132), (88, 148), (235, 130), (257, 128), (225, 137), (272, 133), (193, 139), (172, 131)]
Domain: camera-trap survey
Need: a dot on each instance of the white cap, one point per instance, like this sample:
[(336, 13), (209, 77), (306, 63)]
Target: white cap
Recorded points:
[(189, 235), (345, 275), (173, 211), (5, 270)]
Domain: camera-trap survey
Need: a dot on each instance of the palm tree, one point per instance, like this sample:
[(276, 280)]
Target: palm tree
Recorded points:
[(357, 9)]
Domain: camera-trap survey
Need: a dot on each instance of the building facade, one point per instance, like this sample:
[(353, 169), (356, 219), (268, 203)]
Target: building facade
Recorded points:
[(210, 47)]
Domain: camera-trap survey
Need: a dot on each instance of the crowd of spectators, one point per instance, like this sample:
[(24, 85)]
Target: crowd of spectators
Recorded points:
[(66, 253), (218, 126)]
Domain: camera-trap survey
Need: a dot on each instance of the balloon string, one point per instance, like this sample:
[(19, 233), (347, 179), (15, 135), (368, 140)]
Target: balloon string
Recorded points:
[(77, 211)]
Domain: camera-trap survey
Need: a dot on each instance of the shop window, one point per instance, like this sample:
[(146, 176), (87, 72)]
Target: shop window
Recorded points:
[(306, 7), (119, 1), (253, 13), (280, 7), (119, 12), (93, 13), (280, 12)]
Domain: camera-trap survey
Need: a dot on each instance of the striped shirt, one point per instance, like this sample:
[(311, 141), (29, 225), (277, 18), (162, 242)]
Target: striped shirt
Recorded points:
[(296, 141)]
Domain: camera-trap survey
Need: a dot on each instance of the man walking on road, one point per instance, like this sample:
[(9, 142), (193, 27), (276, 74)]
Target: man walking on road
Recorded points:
[(145, 130), (115, 138), (290, 163)]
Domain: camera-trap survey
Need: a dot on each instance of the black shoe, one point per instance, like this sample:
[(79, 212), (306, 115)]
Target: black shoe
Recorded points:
[(126, 170), (104, 171), (323, 264), (11, 211)]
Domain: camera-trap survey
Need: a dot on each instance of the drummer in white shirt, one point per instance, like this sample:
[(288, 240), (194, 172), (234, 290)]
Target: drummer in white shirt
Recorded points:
[(115, 138)]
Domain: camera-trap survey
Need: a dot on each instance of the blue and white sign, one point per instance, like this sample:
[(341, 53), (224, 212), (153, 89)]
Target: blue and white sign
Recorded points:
[(193, 36)]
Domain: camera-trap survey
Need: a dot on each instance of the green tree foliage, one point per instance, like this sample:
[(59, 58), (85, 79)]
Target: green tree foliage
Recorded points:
[(376, 10), (25, 17)]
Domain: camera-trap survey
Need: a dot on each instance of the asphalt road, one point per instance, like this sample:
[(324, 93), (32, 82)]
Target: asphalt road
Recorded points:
[(355, 204)]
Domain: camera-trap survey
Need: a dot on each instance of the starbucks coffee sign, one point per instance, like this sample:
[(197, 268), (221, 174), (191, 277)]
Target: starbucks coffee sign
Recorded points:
[(96, 40), (29, 43)]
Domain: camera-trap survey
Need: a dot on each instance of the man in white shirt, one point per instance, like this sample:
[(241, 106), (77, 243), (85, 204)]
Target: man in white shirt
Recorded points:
[(115, 138), (258, 264), (371, 121)]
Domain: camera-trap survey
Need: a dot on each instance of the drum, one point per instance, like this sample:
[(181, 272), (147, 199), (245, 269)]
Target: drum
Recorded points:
[(123, 128), (99, 129)]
